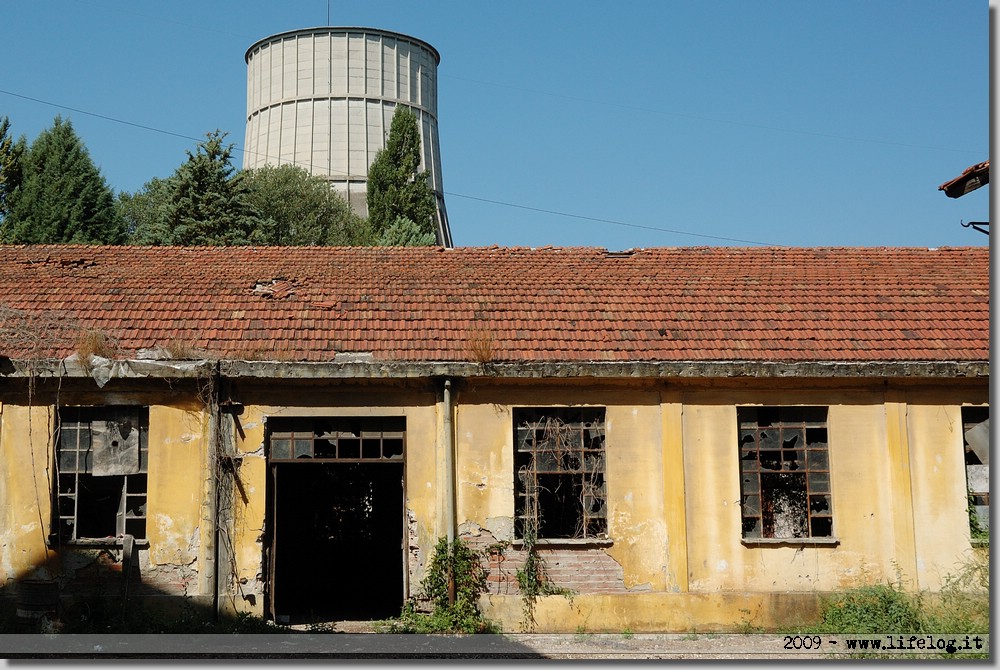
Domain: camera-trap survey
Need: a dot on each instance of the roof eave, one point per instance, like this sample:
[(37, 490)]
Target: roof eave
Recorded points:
[(373, 370)]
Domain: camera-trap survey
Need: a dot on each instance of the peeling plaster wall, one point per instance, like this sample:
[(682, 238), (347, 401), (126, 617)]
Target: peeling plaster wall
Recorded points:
[(675, 556), (634, 466), (249, 516), (877, 446), (25, 503), (176, 503), (862, 503)]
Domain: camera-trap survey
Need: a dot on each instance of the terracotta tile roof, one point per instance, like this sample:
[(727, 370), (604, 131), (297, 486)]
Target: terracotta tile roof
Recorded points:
[(547, 304)]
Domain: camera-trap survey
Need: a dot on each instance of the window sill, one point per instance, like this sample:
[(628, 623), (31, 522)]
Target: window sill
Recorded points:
[(568, 542), (109, 542), (790, 541)]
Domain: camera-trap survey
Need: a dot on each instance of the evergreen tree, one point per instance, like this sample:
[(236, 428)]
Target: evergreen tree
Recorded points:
[(209, 204), (405, 233), (395, 186), (62, 197), (298, 209), (11, 152), (145, 212)]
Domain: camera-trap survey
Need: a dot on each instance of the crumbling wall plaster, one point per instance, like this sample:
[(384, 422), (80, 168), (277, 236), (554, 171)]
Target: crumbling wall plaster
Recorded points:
[(177, 466)]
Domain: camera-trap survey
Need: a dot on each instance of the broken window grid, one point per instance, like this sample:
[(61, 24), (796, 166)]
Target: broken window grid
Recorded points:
[(101, 462), (559, 463), (784, 472), (976, 438), (337, 438)]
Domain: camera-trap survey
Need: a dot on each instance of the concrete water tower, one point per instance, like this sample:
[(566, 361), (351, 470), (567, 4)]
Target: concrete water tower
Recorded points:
[(323, 99)]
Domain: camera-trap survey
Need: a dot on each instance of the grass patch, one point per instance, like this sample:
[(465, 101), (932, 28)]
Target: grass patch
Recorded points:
[(961, 607)]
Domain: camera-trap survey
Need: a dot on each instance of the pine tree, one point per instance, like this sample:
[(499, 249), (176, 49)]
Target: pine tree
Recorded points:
[(396, 189), (209, 205), (62, 197)]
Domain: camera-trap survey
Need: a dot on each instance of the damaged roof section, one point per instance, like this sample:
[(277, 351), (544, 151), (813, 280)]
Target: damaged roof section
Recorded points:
[(510, 306), (974, 177), (275, 289)]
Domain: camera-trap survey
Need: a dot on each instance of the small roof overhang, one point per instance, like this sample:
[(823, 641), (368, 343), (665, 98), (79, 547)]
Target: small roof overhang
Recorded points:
[(973, 177)]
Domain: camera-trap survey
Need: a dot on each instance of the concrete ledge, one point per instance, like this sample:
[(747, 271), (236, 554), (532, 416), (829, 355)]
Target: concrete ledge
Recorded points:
[(352, 368)]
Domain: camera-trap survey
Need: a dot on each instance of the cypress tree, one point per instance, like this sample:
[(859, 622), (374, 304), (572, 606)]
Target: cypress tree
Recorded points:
[(11, 152), (62, 197), (396, 189)]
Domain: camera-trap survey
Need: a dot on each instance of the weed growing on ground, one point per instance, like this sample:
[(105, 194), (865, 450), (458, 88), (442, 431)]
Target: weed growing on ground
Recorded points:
[(960, 608)]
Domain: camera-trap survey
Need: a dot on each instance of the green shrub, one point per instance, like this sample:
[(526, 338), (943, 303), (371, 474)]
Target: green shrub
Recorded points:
[(465, 566), (962, 607)]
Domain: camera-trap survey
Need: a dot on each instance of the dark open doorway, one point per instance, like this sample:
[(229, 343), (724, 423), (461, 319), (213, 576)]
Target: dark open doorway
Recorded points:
[(337, 522)]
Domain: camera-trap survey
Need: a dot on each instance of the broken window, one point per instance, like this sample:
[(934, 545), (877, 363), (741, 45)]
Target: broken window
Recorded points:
[(101, 463), (338, 438), (976, 436), (559, 472), (784, 472)]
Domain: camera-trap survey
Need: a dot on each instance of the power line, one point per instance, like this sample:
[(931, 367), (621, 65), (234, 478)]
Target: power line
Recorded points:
[(611, 221), (100, 116), (449, 193)]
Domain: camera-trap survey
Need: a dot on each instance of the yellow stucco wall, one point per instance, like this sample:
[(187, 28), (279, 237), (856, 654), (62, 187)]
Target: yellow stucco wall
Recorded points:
[(941, 528), (634, 471), (176, 493), (672, 473), (25, 502), (861, 497), (656, 612)]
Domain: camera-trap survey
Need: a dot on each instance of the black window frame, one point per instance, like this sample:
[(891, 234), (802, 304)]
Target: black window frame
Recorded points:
[(784, 461), (560, 485), (114, 504), (343, 439)]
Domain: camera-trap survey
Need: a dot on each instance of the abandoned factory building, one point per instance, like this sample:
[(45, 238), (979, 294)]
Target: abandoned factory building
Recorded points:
[(690, 437)]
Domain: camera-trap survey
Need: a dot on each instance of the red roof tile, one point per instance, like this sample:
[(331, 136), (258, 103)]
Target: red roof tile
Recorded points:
[(549, 304)]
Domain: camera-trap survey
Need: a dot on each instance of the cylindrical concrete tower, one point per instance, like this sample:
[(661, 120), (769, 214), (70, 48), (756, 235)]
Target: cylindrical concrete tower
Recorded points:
[(323, 99)]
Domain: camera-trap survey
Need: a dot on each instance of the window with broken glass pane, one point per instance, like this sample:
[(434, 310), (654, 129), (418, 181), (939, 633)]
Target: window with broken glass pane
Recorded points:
[(784, 472), (101, 461), (976, 437), (560, 492), (342, 438)]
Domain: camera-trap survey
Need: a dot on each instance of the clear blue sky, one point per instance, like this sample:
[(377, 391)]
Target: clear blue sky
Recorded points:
[(783, 122)]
